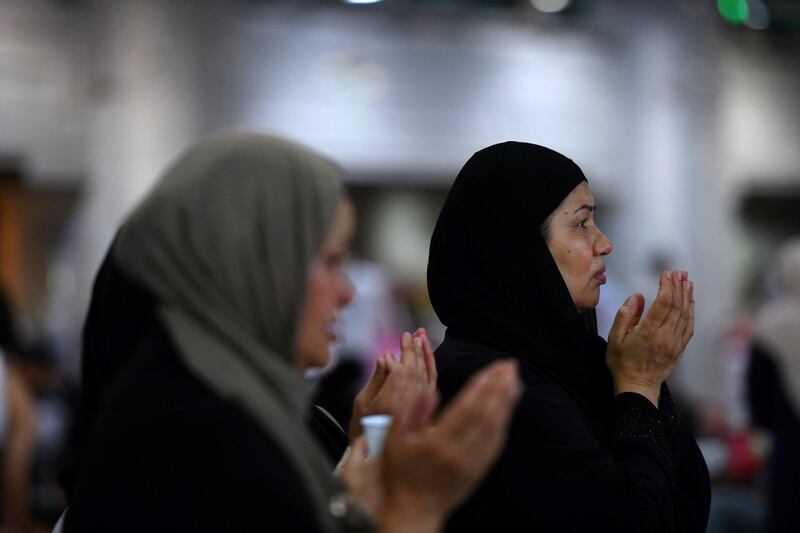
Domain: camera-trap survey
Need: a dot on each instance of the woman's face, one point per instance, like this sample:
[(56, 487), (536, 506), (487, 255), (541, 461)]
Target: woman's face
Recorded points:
[(578, 247), (328, 291)]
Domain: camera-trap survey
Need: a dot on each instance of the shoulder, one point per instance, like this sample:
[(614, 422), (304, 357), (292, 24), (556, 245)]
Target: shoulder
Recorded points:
[(189, 458), (457, 359)]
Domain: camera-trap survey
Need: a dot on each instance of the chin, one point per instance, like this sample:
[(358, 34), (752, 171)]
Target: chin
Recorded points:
[(316, 358), (588, 305), (322, 359)]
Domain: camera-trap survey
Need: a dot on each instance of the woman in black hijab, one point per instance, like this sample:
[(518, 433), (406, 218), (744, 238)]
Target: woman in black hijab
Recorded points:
[(515, 268)]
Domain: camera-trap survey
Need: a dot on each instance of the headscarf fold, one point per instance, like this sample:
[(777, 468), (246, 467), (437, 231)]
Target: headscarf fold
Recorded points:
[(224, 242), (491, 276)]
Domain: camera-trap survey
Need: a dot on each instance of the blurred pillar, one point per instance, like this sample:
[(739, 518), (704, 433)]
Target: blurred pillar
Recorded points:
[(675, 215), (142, 113)]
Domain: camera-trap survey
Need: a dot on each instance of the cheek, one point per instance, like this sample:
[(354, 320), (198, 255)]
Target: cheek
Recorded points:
[(317, 295)]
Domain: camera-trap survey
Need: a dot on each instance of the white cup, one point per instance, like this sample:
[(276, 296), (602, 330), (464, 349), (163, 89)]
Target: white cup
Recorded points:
[(376, 427)]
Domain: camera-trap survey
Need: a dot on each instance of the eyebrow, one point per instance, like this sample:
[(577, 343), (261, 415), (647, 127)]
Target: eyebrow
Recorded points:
[(585, 206)]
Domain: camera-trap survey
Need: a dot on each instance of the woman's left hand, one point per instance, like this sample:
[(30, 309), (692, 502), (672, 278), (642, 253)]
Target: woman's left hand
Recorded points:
[(363, 478), (392, 381)]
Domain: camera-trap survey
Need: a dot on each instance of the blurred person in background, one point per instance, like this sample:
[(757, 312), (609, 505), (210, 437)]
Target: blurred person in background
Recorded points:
[(773, 386), (217, 293), (515, 269), (54, 404), (17, 429)]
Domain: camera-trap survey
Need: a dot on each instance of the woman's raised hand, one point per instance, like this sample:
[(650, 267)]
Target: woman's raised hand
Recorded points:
[(393, 381), (429, 469), (643, 351)]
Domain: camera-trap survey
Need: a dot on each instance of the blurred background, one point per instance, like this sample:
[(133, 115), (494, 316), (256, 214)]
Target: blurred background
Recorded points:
[(684, 114)]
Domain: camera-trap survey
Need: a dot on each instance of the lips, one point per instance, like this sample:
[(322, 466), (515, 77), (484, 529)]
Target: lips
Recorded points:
[(601, 276), (334, 331)]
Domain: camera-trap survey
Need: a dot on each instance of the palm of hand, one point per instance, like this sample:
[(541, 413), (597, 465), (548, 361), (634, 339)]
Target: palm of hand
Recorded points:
[(642, 354)]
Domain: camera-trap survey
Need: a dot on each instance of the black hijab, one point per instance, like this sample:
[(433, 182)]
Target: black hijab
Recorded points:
[(492, 278)]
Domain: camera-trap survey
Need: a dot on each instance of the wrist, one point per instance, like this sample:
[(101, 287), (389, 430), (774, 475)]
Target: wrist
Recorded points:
[(402, 517), (649, 391), (354, 430)]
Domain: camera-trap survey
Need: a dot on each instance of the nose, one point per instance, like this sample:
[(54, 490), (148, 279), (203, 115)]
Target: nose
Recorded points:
[(347, 291), (603, 245)]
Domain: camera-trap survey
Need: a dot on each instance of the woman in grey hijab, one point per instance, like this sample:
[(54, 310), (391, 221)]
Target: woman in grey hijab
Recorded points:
[(218, 290)]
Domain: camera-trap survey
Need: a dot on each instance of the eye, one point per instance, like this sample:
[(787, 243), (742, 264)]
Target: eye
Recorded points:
[(336, 260), (582, 223)]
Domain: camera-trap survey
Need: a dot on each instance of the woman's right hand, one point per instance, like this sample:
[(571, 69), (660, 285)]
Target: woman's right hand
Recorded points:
[(429, 469), (642, 353)]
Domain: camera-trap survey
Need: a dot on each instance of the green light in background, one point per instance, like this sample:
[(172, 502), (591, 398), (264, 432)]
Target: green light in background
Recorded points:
[(734, 11)]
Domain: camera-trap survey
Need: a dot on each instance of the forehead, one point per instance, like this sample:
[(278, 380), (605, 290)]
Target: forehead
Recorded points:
[(580, 195), (343, 224)]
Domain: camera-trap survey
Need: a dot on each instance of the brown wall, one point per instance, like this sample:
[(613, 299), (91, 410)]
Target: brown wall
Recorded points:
[(10, 238)]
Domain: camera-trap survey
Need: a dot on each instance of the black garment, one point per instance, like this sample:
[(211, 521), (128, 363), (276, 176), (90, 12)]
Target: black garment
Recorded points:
[(120, 313), (771, 408), (577, 459), (156, 450), (167, 454), (328, 433), (568, 469)]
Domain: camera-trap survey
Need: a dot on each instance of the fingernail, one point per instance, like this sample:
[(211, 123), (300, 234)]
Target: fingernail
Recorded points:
[(629, 301), (418, 343), (685, 285)]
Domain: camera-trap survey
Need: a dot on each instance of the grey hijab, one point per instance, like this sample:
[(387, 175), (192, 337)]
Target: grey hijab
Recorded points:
[(224, 241)]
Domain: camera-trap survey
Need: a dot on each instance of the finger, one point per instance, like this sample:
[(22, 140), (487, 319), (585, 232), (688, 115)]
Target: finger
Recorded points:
[(407, 354), (459, 412), (391, 362), (358, 451), (377, 380), (430, 360), (659, 311), (424, 348), (672, 321), (467, 408), (354, 456), (413, 415), (685, 303), (689, 331), (494, 409), (422, 371), (627, 317), (390, 398)]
